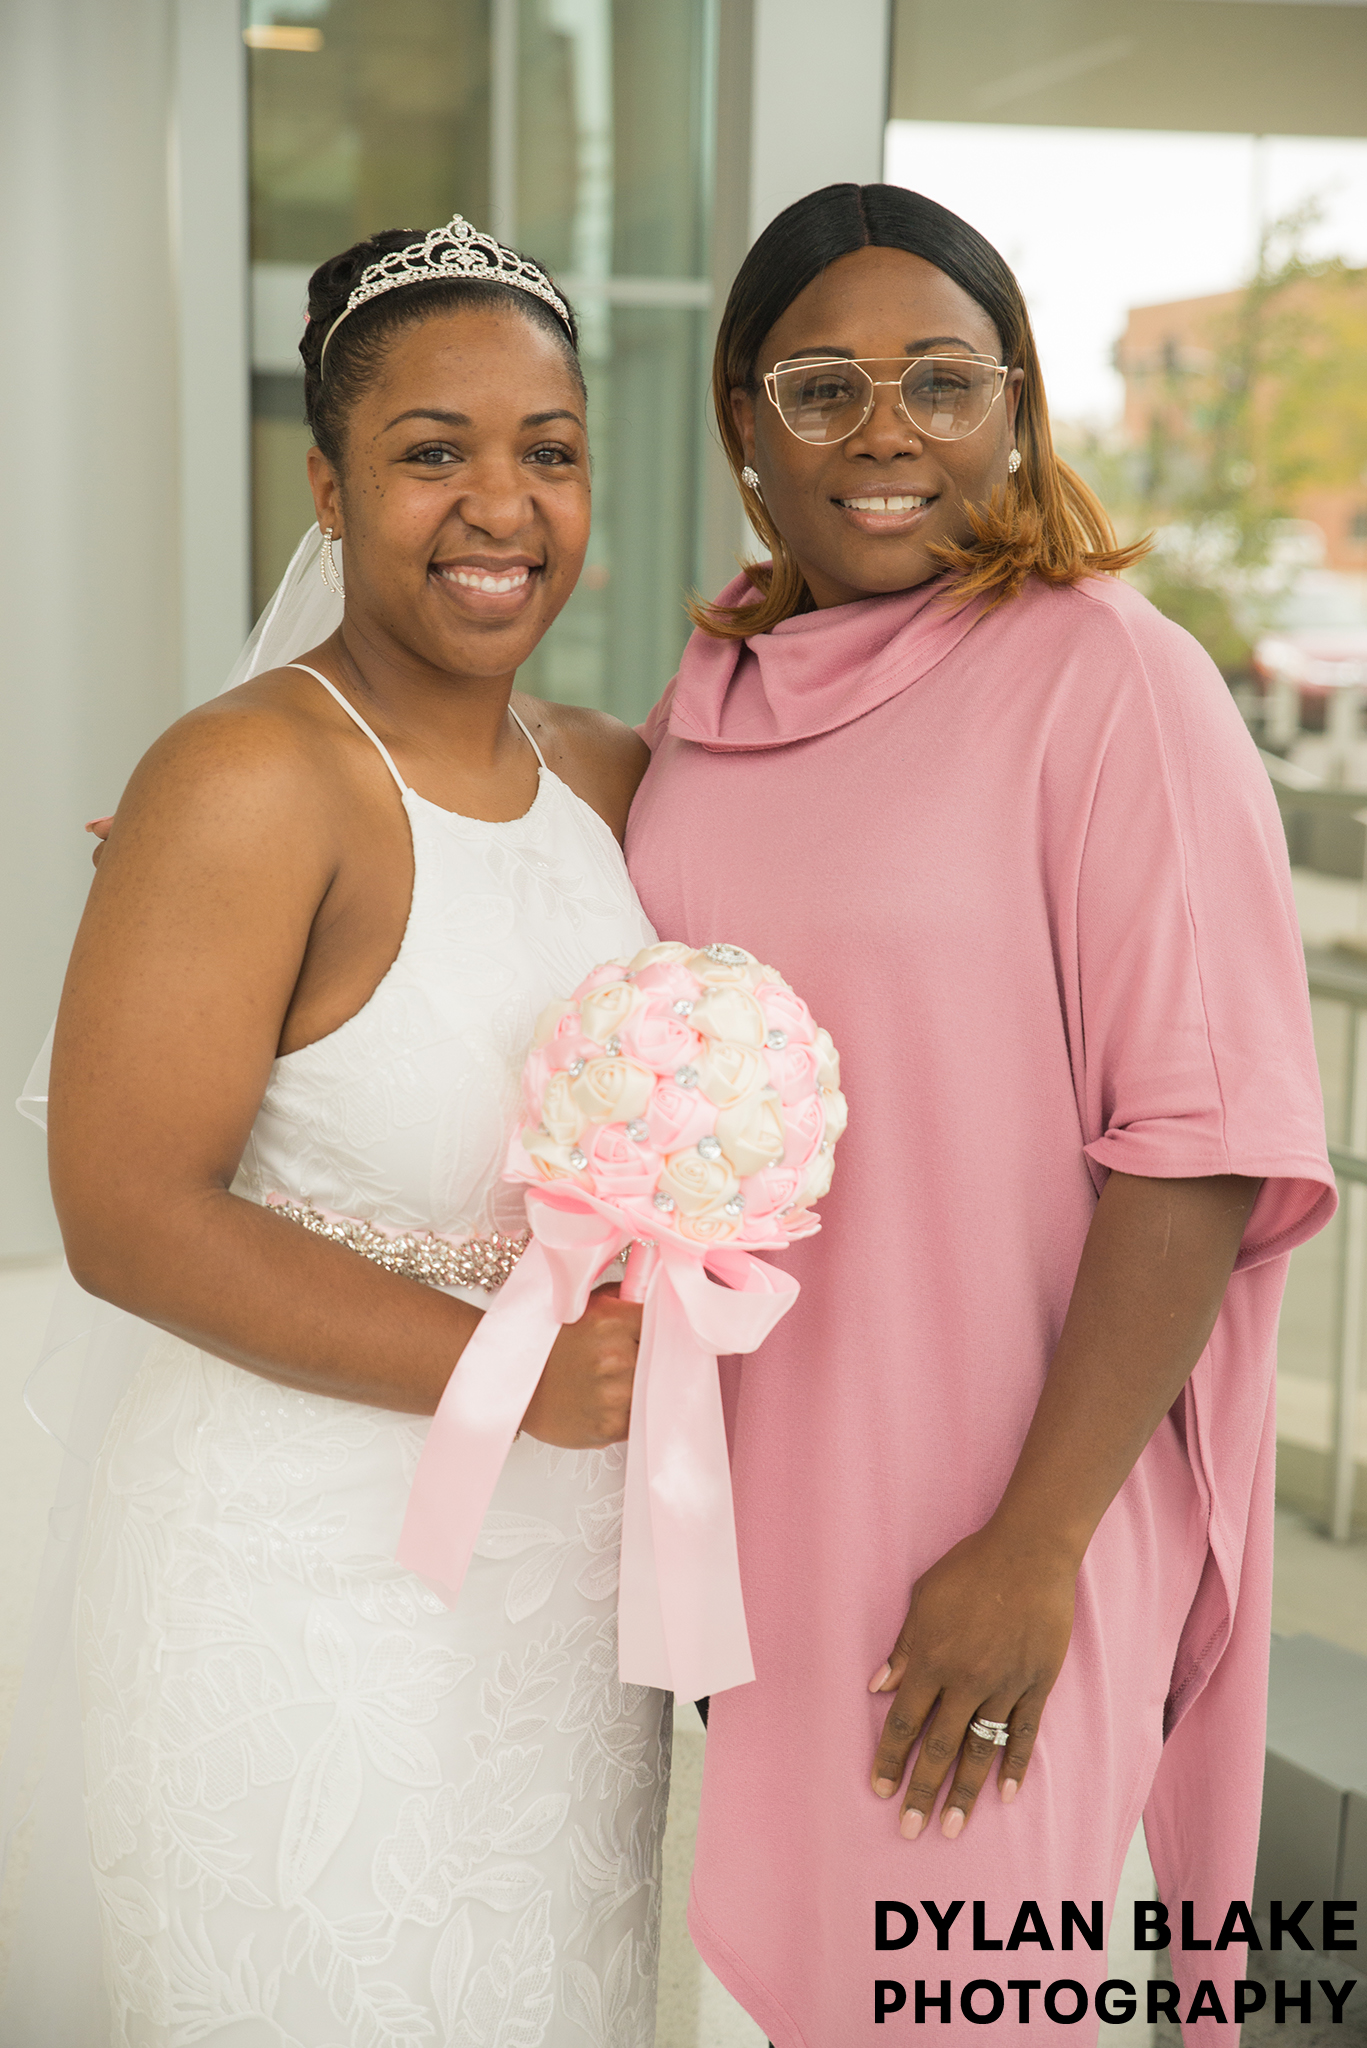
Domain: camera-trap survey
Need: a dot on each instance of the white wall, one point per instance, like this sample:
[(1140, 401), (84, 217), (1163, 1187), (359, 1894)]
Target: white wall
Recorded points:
[(820, 84), (89, 536), (209, 226)]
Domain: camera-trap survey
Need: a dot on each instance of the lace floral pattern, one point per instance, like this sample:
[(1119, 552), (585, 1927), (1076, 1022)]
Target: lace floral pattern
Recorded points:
[(325, 1811)]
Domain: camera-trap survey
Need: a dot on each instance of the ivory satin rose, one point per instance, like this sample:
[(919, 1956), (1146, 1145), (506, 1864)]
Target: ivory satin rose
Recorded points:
[(560, 1113), (729, 1014), (727, 1073), (612, 1090), (695, 1183), (744, 972), (836, 1112), (602, 1014), (753, 1134), (710, 1226), (552, 1160)]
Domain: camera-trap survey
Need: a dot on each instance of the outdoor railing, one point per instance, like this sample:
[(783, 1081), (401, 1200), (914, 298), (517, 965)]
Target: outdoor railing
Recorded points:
[(1341, 978)]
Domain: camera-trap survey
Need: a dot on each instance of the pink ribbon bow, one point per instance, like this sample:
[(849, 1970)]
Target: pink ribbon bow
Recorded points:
[(680, 1614)]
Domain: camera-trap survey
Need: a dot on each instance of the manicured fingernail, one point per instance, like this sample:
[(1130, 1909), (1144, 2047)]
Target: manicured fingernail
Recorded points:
[(912, 1823), (1010, 1787), (884, 1787), (953, 1822), (880, 1678)]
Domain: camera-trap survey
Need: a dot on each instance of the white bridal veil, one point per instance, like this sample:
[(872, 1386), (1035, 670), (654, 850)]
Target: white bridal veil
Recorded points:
[(54, 1994)]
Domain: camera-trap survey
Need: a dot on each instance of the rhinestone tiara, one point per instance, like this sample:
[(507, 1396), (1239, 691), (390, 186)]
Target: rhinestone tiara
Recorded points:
[(457, 250)]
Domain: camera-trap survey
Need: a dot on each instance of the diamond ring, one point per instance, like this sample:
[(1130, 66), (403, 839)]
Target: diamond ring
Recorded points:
[(994, 1732)]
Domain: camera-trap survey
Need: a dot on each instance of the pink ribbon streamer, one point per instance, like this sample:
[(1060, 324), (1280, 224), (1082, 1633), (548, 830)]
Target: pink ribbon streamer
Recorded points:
[(680, 1613)]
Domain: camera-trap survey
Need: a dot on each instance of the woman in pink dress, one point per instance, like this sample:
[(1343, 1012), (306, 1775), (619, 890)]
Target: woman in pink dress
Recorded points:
[(1004, 1475)]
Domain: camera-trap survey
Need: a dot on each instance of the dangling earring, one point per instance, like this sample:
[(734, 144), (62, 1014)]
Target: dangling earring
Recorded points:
[(328, 569), (750, 478), (1013, 461)]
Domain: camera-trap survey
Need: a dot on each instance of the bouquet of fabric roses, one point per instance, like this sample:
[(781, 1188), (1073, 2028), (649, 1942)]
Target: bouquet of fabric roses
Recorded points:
[(684, 1107)]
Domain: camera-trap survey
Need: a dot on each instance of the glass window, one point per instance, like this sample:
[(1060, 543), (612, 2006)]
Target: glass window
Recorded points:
[(595, 157)]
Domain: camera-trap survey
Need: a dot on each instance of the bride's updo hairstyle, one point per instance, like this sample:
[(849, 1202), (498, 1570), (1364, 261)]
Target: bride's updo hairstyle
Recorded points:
[(357, 348), (1045, 522)]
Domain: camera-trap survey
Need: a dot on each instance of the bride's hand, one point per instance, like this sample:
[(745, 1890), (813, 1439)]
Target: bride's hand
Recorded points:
[(985, 1637), (100, 828), (583, 1398)]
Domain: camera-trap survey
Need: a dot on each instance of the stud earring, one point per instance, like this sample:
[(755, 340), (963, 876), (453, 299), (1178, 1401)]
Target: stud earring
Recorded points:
[(750, 478), (1013, 461), (328, 569)]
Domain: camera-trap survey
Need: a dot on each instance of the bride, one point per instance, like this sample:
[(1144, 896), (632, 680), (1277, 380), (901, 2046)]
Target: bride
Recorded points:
[(322, 1808)]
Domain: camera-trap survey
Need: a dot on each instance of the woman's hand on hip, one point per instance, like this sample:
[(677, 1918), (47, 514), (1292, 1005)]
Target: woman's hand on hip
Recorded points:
[(984, 1638), (583, 1398)]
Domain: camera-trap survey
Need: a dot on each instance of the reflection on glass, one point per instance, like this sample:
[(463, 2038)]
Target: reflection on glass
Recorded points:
[(613, 195), (384, 124), (385, 115)]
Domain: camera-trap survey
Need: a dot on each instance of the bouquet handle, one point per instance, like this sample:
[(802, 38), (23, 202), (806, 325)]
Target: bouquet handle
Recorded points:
[(642, 1259)]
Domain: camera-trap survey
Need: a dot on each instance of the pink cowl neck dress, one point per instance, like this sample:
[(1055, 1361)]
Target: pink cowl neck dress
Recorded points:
[(1027, 869)]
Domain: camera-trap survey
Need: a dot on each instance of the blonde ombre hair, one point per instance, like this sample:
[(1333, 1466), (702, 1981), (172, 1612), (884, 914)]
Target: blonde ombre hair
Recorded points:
[(1045, 522)]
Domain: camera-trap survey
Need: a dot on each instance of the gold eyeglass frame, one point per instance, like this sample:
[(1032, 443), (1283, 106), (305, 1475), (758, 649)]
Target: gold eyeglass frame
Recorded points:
[(876, 384)]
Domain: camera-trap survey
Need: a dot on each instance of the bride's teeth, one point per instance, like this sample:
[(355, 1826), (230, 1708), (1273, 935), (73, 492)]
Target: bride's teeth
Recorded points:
[(479, 579)]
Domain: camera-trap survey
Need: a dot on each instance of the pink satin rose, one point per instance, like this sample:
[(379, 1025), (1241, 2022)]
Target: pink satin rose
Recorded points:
[(777, 1187), (657, 1038), (792, 1069), (559, 1040), (678, 1117), (802, 1223), (535, 1075), (786, 1012), (806, 1124), (556, 1018), (620, 1168), (671, 979)]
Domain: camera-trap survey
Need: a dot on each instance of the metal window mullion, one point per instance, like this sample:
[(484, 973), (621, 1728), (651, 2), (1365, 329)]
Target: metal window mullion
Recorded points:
[(1352, 1291), (503, 61)]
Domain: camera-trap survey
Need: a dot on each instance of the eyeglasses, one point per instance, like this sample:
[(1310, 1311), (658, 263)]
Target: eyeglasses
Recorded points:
[(944, 397)]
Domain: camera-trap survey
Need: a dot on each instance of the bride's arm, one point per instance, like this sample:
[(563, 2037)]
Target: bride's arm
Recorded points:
[(226, 850)]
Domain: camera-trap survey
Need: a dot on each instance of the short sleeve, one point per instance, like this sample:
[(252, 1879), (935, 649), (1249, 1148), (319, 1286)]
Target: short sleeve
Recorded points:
[(1197, 1055)]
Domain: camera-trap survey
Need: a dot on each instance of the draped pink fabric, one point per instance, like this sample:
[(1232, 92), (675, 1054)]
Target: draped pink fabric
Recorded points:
[(1028, 869)]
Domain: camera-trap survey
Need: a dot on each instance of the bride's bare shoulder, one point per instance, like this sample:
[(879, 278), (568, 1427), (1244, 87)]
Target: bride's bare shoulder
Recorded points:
[(256, 759), (600, 758)]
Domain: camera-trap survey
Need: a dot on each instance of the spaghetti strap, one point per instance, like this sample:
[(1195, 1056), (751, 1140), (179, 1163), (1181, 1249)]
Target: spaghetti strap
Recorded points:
[(540, 757), (354, 715)]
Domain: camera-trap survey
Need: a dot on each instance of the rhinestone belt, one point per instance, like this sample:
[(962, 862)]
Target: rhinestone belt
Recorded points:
[(417, 1255)]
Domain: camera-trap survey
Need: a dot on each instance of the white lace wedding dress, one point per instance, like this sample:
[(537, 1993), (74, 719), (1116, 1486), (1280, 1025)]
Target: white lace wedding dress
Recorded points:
[(324, 1811)]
